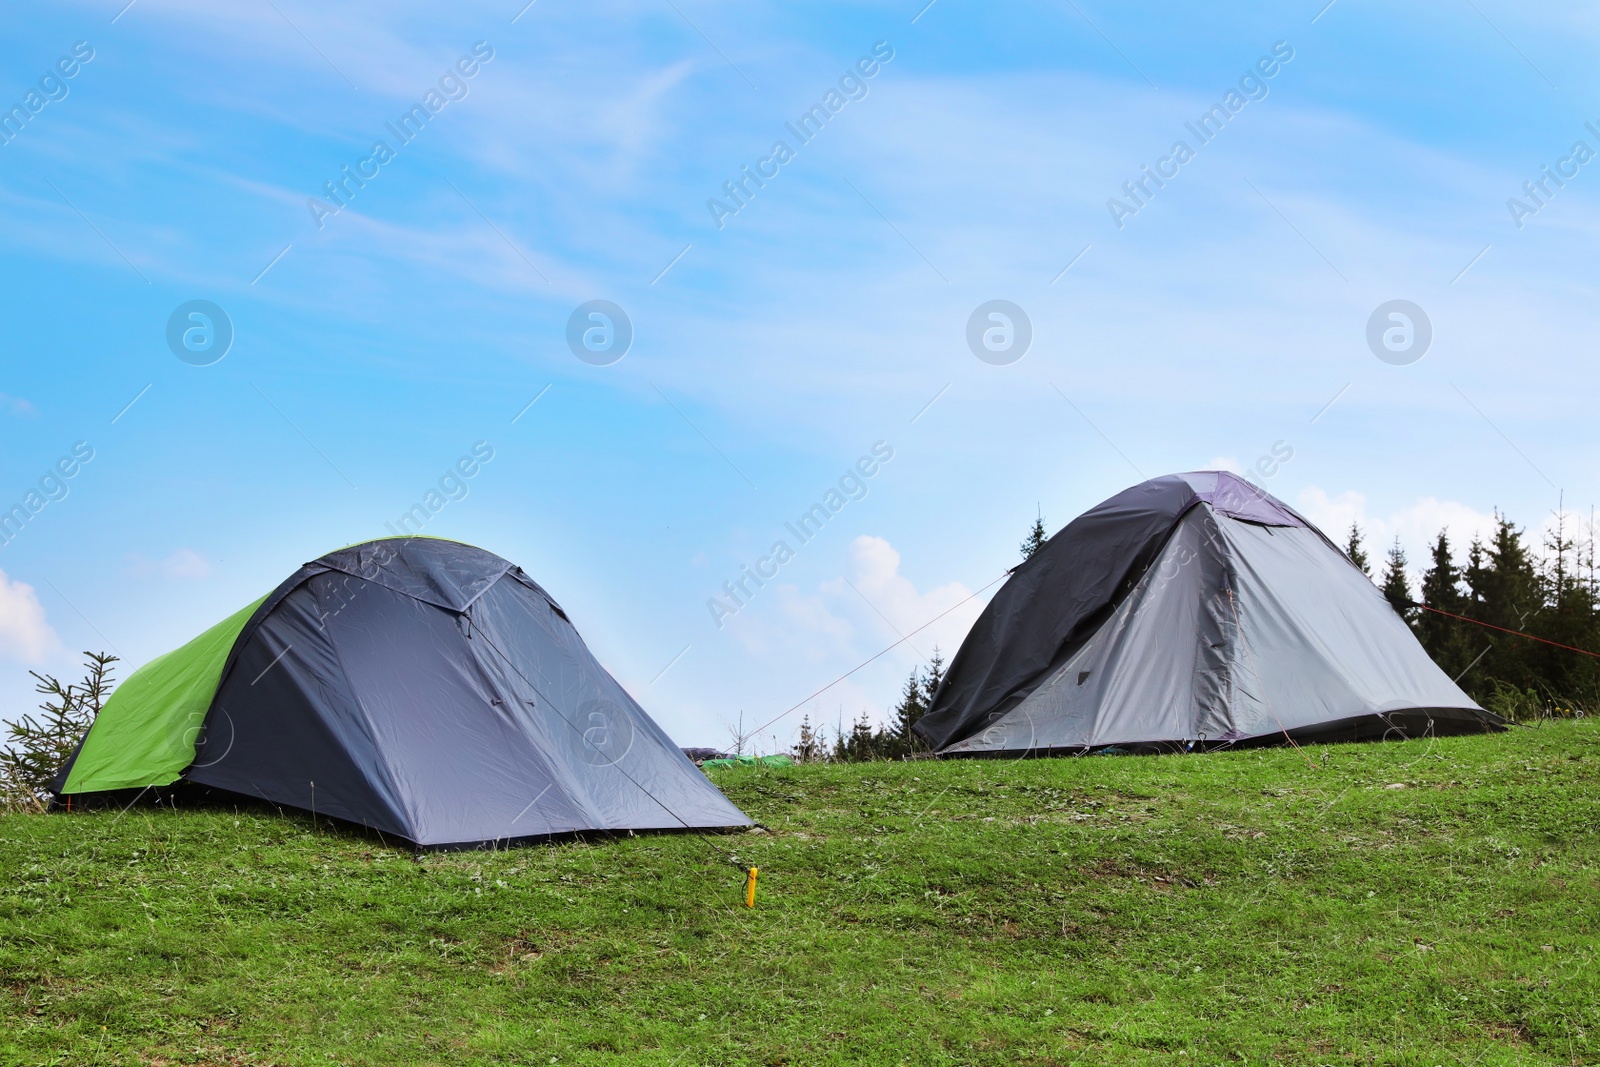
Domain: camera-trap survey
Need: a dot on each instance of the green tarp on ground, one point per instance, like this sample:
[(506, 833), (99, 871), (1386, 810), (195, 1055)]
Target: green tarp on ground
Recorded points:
[(749, 761), (145, 735)]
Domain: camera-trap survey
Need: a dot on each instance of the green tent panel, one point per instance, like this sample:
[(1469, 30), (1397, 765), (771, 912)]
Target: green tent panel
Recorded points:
[(146, 733)]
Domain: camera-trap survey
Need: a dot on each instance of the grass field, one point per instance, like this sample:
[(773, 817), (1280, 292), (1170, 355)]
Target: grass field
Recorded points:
[(1408, 903)]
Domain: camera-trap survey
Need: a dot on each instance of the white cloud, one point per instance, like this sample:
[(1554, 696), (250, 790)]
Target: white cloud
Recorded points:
[(848, 619), (182, 564), (821, 625), (25, 634), (806, 631), (891, 606), (1224, 463), (1416, 525), (15, 405), (1335, 514), (1419, 523)]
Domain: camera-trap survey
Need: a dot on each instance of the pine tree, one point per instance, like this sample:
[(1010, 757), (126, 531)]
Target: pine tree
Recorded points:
[(1567, 615), (1357, 554), (737, 735), (1475, 573), (860, 746), (1586, 559), (1036, 538), (1512, 592), (1444, 638), (1396, 586), (810, 744), (1506, 590), (931, 681), (911, 707), (37, 748)]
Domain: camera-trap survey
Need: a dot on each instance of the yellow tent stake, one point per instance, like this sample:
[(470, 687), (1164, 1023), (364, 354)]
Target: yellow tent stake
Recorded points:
[(750, 889)]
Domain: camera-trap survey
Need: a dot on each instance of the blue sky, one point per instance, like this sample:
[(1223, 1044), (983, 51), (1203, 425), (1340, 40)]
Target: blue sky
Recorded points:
[(1226, 318)]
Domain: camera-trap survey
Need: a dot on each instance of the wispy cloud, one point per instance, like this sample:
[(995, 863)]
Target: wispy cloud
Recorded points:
[(16, 405), (182, 564)]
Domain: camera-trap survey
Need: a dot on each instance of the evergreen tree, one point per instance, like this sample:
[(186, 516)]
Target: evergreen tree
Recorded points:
[(1586, 559), (1511, 594), (1475, 573), (1567, 616), (860, 747), (1396, 586), (930, 681), (1036, 538), (1447, 640), (860, 743), (37, 748), (1505, 589), (1357, 554), (912, 707), (810, 746)]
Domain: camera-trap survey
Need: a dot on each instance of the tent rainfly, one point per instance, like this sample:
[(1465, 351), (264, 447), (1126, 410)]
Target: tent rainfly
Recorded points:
[(1194, 608), (418, 686)]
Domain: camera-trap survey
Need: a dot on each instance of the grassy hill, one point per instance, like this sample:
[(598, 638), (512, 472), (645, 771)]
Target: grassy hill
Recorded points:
[(1417, 903)]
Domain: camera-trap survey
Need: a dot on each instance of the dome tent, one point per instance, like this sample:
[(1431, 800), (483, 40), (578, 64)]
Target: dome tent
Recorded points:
[(1190, 608), (424, 688)]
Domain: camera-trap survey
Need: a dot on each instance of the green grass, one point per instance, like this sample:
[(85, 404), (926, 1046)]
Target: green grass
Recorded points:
[(1246, 907)]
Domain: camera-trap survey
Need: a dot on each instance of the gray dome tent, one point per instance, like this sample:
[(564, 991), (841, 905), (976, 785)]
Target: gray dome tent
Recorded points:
[(1190, 608), (422, 687)]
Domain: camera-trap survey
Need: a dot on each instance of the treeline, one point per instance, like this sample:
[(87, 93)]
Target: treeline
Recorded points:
[(1551, 593), (863, 741)]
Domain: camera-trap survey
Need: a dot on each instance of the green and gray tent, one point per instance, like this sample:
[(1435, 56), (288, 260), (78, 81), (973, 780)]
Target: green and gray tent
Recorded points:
[(418, 686)]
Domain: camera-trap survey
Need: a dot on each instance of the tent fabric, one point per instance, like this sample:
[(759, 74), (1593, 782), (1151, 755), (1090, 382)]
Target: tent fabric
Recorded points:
[(146, 733), (1192, 607), (438, 578), (431, 690)]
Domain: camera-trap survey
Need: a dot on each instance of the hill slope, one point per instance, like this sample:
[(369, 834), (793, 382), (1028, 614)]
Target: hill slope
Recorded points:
[(1282, 906)]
